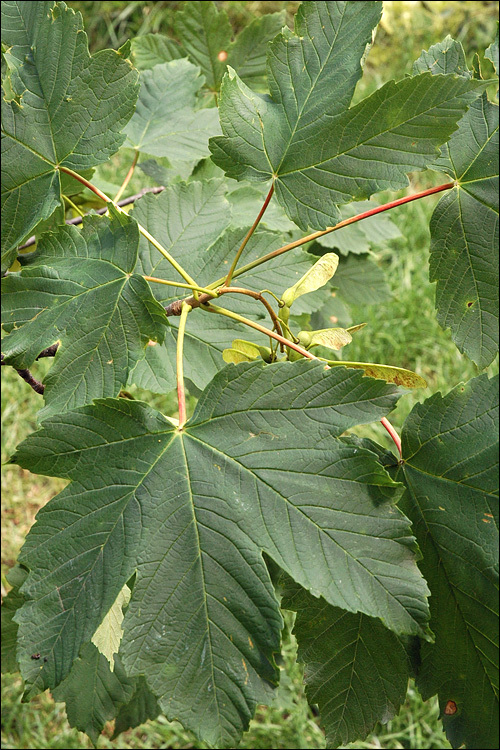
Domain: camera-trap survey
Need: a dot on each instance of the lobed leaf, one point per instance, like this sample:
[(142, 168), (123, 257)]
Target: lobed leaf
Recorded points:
[(319, 152), (93, 693), (166, 121), (205, 33), (248, 53), (67, 113), (191, 512), (464, 225)]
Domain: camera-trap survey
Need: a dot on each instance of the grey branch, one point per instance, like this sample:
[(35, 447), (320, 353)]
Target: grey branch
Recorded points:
[(100, 211)]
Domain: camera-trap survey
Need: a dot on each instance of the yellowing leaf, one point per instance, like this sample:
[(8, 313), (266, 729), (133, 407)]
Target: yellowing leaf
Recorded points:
[(316, 277), (332, 338), (235, 356), (396, 375)]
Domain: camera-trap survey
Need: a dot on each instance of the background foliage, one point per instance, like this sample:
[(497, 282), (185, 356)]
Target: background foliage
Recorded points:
[(404, 332)]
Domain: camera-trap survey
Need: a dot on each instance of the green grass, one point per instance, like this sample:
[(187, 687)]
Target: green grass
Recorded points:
[(403, 331)]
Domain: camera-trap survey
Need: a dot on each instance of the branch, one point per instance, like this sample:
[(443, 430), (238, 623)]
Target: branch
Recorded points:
[(28, 378), (175, 308), (49, 352), (101, 211)]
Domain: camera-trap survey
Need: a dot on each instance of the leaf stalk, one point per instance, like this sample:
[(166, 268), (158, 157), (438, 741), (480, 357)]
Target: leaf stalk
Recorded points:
[(127, 179), (181, 393), (248, 235), (392, 432), (180, 270), (340, 225)]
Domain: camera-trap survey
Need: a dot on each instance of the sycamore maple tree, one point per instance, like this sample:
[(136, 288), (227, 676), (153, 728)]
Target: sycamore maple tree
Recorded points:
[(154, 582)]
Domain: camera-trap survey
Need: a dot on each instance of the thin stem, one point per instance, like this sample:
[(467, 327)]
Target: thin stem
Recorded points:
[(262, 329), (345, 223), (258, 296), (101, 211), (181, 285), (127, 179), (74, 206), (278, 300), (392, 432), (248, 235), (142, 230), (181, 393), (87, 184)]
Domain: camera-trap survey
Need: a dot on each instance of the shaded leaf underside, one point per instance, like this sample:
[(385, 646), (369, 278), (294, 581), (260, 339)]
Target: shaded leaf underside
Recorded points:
[(191, 513)]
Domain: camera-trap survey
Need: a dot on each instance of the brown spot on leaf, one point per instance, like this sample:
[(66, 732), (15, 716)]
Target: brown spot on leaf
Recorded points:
[(222, 56), (450, 708)]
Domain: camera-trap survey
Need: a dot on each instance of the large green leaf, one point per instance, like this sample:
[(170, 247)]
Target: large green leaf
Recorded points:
[(356, 670), (319, 152), (68, 110), (166, 122), (79, 289), (450, 451), (191, 512), (464, 226), (205, 33)]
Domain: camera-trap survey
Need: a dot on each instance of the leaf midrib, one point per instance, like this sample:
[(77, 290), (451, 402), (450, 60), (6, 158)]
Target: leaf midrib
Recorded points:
[(320, 72)]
